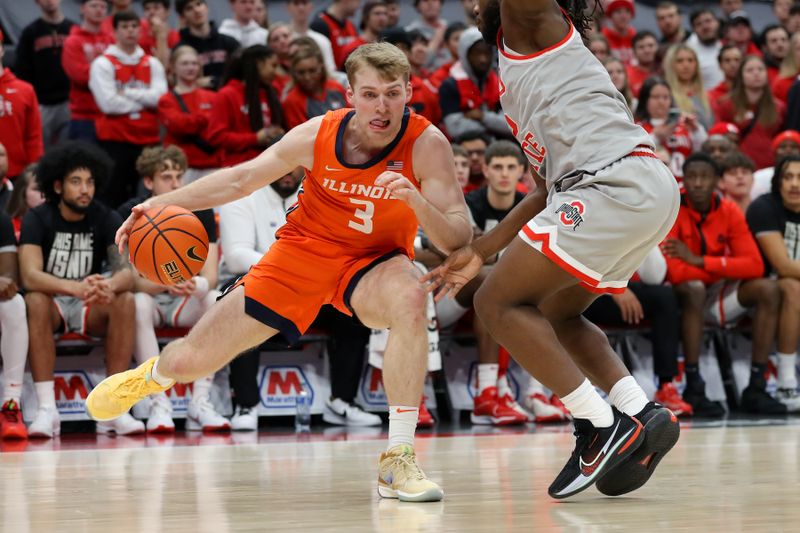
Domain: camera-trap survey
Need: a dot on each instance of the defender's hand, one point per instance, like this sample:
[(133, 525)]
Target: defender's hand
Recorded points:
[(454, 273)]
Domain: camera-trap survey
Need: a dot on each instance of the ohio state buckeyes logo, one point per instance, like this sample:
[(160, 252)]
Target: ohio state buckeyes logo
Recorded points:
[(571, 214)]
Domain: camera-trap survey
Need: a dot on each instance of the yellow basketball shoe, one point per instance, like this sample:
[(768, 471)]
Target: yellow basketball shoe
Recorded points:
[(116, 394), (399, 476)]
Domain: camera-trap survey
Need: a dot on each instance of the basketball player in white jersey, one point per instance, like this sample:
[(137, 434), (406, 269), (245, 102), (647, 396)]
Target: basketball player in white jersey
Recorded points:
[(605, 203)]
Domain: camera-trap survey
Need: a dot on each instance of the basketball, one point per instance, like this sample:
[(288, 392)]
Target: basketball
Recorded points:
[(168, 245)]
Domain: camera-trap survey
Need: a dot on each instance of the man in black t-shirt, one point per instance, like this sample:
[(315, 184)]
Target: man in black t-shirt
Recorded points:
[(39, 63), (66, 247), (774, 219), (182, 305), (14, 330)]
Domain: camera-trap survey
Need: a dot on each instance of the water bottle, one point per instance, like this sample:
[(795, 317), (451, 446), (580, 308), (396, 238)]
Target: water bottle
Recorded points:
[(302, 417)]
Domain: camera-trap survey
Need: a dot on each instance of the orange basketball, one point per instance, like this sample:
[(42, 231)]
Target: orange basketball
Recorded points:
[(168, 245)]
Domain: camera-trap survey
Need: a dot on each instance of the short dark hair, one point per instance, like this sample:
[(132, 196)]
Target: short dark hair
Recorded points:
[(644, 34), (164, 3), (452, 28), (694, 15), (416, 36), (180, 5), (736, 159), (504, 148), (725, 48), (766, 30), (474, 135), (780, 168), (124, 16), (701, 157), (366, 11), (795, 9), (68, 156), (667, 5)]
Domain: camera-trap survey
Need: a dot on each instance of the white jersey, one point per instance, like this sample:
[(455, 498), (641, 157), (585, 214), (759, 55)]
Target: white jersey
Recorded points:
[(564, 110)]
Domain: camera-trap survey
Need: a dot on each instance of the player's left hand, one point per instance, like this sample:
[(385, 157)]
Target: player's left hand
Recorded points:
[(460, 267), (400, 186)]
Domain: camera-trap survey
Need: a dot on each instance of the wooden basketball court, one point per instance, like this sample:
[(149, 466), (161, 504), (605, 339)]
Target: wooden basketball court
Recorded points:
[(733, 477)]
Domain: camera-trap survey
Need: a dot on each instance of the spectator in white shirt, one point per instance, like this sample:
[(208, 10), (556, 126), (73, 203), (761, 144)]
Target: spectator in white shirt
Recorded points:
[(243, 26), (706, 43), (300, 15)]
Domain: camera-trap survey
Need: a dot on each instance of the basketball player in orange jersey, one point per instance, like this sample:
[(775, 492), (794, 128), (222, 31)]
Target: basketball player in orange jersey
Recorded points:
[(606, 202), (373, 174)]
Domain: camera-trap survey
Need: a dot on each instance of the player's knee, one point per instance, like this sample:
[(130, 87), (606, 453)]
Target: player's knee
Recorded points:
[(768, 294), (124, 303), (412, 305), (692, 294), (13, 307), (790, 292), (176, 362), (37, 304), (486, 306)]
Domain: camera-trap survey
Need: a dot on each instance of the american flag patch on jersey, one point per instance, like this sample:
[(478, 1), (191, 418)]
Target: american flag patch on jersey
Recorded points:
[(394, 165)]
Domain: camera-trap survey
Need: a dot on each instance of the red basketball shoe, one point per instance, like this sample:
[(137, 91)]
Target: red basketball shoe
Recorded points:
[(491, 410), (12, 425), (668, 396)]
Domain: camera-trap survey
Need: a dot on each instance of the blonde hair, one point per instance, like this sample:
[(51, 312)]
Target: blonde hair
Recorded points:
[(155, 159), (681, 97), (387, 59), (789, 66), (176, 54)]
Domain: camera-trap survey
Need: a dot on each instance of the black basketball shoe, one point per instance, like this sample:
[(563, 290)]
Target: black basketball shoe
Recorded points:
[(661, 432), (597, 451)]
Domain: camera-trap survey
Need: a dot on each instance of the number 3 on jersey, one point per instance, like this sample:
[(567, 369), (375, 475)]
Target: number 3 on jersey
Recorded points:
[(363, 215)]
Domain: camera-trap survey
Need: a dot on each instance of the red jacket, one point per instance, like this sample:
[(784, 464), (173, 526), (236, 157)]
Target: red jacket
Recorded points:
[(182, 126), (20, 123), (721, 237), (80, 49), (781, 86), (340, 34), (440, 74), (425, 99), (229, 127), (757, 144), (636, 78), (134, 128), (621, 45), (717, 93), (299, 107)]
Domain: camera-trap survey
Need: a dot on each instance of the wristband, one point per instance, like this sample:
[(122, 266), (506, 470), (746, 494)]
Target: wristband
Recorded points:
[(201, 286)]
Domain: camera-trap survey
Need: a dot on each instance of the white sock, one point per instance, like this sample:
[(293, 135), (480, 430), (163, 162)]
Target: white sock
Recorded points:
[(533, 386), (202, 388), (402, 425), (164, 381), (487, 376), (46, 394), (627, 396), (13, 346), (787, 373), (146, 343), (584, 402)]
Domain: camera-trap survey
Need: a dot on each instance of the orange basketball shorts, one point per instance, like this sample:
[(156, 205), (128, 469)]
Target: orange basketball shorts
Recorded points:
[(297, 276)]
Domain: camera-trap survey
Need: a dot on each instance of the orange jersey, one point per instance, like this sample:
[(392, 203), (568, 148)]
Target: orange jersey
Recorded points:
[(340, 203)]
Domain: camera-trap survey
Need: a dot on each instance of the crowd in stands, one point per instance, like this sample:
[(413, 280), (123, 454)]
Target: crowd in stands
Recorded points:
[(98, 114)]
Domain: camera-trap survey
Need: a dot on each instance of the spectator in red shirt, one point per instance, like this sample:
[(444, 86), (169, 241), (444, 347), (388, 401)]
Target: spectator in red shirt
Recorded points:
[(451, 37), (185, 113), (335, 24), (160, 38), (25, 196), (775, 46), (374, 19), (279, 41), (85, 43), (313, 92), (620, 32), (126, 84), (20, 121), (679, 133), (753, 109), (645, 50), (739, 32), (715, 267), (619, 77), (247, 115), (730, 59), (790, 68)]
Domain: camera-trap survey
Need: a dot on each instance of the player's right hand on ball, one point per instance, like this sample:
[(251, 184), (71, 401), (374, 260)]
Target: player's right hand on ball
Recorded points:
[(454, 273), (125, 229)]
